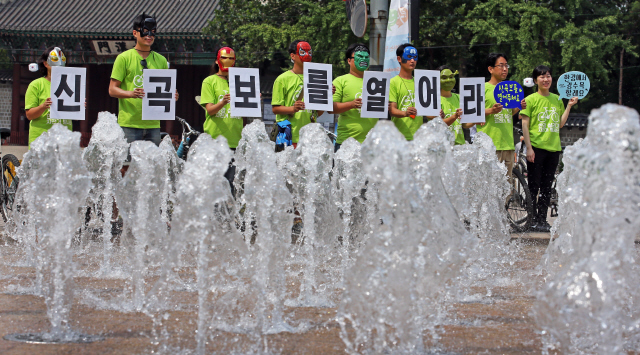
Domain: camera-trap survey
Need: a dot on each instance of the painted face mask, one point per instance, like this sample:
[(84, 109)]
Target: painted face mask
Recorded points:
[(409, 53), (57, 58), (447, 80), (148, 27), (304, 51), (226, 58), (361, 58)]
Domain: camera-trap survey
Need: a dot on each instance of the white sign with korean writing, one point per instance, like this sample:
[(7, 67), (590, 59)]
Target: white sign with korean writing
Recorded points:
[(472, 100), (427, 86), (318, 87), (375, 94), (244, 87), (68, 92), (159, 101)]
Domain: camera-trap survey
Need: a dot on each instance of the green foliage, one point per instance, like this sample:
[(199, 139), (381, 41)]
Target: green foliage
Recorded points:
[(259, 30), (587, 36)]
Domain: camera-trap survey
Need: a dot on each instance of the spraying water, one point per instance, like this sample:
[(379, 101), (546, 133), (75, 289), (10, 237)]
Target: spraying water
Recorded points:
[(588, 303)]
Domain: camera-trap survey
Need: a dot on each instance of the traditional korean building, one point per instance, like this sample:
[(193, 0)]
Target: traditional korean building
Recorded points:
[(91, 33)]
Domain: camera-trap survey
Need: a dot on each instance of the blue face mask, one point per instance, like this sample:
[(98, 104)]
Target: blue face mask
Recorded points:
[(409, 53)]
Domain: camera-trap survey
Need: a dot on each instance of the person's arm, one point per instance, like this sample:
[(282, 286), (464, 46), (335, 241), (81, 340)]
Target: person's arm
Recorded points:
[(527, 140), (342, 107), (565, 115), (37, 111), (468, 125), (288, 110), (395, 112), (496, 108), (118, 93), (213, 109), (449, 120)]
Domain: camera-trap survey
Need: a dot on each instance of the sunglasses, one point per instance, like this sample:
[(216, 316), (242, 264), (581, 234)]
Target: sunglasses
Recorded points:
[(144, 63)]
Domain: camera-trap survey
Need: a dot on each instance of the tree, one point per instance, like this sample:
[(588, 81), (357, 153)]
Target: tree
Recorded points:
[(262, 30)]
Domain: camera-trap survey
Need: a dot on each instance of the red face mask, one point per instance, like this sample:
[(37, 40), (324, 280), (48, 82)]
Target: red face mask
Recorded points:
[(304, 51), (226, 58)]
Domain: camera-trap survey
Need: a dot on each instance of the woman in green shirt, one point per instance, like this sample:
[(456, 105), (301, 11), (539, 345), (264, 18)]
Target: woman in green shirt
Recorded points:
[(215, 99), (38, 97), (542, 119)]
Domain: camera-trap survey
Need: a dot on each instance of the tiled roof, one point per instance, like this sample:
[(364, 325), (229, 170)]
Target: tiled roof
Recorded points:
[(106, 17)]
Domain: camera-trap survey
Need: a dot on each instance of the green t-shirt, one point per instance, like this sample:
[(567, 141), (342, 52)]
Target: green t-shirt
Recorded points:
[(449, 105), (545, 113), (498, 126), (286, 90), (401, 92), (350, 124), (213, 90), (128, 70), (38, 92)]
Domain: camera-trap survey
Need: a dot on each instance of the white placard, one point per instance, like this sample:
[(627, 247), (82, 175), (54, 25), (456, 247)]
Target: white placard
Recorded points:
[(427, 86), (68, 92), (159, 102), (244, 87), (375, 94), (318, 87), (472, 100)]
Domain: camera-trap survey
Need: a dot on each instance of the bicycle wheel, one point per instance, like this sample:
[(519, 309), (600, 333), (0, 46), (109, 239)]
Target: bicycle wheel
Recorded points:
[(9, 184), (520, 205)]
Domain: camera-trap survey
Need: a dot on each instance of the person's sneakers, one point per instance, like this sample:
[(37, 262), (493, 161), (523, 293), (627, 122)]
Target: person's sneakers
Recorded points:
[(542, 227)]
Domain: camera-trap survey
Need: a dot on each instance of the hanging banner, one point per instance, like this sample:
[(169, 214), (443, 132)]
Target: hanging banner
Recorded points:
[(317, 87), (244, 87), (427, 89), (375, 95), (159, 101), (68, 92), (397, 34), (472, 100), (573, 83)]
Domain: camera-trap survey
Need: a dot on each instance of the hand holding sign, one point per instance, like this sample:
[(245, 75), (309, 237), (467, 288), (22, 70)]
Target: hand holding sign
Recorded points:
[(509, 94), (573, 83)]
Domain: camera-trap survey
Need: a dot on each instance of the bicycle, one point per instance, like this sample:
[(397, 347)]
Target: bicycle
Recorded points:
[(520, 204), (10, 181)]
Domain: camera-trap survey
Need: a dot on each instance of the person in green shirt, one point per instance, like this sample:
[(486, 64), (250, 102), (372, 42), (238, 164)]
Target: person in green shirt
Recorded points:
[(286, 100), (215, 99), (450, 104), (542, 119), (401, 93), (347, 99), (127, 80), (37, 100), (499, 121)]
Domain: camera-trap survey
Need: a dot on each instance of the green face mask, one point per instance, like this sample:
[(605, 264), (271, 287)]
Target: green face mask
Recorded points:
[(447, 80), (361, 60)]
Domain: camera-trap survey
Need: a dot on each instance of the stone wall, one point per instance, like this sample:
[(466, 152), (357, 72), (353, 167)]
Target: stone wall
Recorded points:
[(5, 105)]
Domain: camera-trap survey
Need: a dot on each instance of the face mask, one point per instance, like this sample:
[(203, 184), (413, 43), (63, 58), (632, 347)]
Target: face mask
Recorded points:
[(148, 26), (226, 58), (304, 51), (361, 60), (56, 58), (447, 80), (409, 53)]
